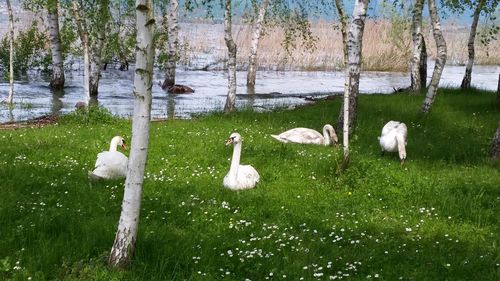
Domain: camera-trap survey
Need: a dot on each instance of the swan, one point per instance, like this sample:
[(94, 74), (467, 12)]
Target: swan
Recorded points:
[(309, 136), (239, 176), (111, 164), (393, 138)]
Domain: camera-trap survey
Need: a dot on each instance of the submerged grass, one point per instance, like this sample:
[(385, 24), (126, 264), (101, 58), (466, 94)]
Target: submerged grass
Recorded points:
[(435, 218)]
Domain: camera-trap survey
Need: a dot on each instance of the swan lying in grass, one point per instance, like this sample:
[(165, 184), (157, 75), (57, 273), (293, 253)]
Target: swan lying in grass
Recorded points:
[(239, 176), (393, 138), (111, 164), (309, 136)]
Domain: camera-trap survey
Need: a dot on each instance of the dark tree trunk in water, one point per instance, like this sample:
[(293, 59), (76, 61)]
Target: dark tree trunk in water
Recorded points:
[(472, 36), (495, 145), (440, 60)]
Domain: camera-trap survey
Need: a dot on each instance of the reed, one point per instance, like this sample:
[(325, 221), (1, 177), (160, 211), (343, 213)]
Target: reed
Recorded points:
[(385, 48)]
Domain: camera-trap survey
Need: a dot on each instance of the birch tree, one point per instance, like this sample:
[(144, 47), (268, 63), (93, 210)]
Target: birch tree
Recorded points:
[(254, 45), (92, 28), (351, 87), (348, 111), (10, 97), (418, 63), (470, 45), (440, 60), (57, 80), (126, 235), (172, 44), (339, 6), (231, 63)]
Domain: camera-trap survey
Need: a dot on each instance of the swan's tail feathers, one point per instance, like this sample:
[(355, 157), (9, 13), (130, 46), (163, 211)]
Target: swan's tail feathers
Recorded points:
[(279, 138), (93, 177)]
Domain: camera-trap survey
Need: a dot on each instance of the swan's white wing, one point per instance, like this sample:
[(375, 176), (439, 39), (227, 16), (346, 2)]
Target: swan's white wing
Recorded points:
[(391, 125), (302, 135), (110, 165), (247, 176)]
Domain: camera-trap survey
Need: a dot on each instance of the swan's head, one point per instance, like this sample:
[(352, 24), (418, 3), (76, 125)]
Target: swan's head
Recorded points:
[(118, 141), (234, 138), (331, 131)]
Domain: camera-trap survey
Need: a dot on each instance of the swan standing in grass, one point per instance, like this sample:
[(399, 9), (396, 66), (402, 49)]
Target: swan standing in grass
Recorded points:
[(393, 138), (239, 176), (111, 164), (309, 136)]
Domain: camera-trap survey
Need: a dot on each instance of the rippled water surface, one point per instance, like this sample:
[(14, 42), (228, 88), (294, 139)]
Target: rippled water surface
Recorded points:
[(33, 98)]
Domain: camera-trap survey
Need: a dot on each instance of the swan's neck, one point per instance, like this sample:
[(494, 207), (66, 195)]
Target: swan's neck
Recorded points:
[(326, 136), (114, 144), (235, 161), (401, 146)]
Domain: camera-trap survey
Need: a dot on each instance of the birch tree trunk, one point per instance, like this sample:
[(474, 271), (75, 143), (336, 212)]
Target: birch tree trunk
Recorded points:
[(57, 80), (254, 45), (10, 97), (343, 27), (470, 45), (231, 63), (84, 37), (495, 144), (96, 49), (418, 60), (440, 60), (172, 43), (354, 47), (126, 235)]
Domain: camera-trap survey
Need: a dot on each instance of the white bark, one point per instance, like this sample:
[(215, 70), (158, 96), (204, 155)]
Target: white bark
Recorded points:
[(172, 44), (84, 37), (472, 36), (231, 63), (440, 60), (126, 235), (254, 45), (353, 69), (343, 27), (10, 97), (97, 49), (57, 81), (417, 80)]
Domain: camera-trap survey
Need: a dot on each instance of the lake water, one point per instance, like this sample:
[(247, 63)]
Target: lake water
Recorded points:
[(33, 98)]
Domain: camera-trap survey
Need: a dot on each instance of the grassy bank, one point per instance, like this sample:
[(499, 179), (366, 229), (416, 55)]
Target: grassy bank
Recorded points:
[(435, 218)]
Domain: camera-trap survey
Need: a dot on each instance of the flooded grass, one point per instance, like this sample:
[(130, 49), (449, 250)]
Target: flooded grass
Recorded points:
[(435, 218)]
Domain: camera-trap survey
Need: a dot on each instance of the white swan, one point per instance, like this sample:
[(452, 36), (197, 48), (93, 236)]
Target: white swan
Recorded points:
[(239, 176), (111, 164), (309, 136), (393, 138)]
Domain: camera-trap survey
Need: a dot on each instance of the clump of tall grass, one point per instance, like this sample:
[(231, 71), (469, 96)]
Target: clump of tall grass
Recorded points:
[(386, 46)]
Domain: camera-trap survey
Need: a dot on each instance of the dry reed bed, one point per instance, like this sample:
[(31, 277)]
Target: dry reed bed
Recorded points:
[(384, 48)]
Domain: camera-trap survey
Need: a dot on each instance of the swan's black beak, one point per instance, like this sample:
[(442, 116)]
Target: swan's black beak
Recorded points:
[(229, 141), (124, 146), (402, 161)]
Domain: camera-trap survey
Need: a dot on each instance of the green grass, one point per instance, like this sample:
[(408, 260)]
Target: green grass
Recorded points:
[(435, 218)]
